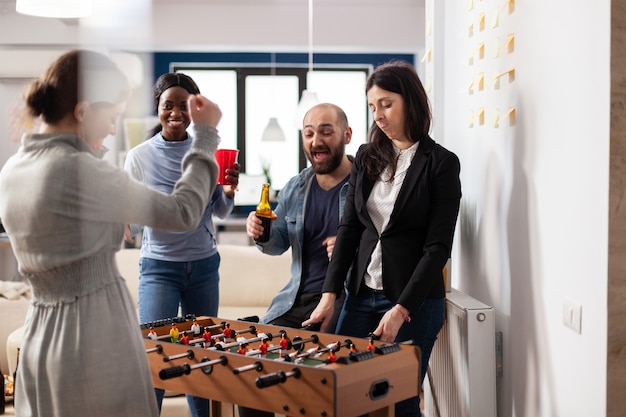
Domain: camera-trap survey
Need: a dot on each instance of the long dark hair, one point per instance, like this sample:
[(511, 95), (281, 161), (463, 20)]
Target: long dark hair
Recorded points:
[(164, 82), (401, 78)]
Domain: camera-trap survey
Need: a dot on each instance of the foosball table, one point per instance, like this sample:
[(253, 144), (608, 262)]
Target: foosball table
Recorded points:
[(295, 372)]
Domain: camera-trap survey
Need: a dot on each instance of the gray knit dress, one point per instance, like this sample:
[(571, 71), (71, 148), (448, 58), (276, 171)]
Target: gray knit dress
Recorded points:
[(64, 210)]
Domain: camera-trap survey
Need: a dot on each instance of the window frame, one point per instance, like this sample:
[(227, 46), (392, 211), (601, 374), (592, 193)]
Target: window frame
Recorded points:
[(243, 71)]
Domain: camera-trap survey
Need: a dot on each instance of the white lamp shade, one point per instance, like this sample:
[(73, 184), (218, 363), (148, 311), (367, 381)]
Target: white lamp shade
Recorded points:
[(308, 100), (55, 8), (273, 132)]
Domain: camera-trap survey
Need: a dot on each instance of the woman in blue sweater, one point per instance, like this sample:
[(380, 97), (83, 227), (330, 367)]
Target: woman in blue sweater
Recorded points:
[(177, 269)]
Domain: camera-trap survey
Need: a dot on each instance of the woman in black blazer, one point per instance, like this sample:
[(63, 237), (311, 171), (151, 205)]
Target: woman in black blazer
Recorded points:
[(396, 232)]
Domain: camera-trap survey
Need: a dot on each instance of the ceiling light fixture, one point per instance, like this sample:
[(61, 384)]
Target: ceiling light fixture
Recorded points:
[(309, 98), (63, 9), (273, 131)]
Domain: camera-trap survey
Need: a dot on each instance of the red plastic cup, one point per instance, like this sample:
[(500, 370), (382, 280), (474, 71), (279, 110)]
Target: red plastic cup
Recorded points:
[(226, 159)]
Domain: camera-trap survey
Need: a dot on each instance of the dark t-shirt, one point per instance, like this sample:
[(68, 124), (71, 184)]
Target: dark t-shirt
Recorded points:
[(321, 219)]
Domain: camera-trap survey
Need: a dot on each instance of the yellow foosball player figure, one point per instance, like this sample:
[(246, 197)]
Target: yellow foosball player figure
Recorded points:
[(174, 333)]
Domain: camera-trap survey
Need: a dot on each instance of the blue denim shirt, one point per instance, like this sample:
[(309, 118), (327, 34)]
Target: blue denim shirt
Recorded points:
[(288, 231)]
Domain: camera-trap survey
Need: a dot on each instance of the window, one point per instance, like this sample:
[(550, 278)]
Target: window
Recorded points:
[(220, 87), (249, 96), (272, 96)]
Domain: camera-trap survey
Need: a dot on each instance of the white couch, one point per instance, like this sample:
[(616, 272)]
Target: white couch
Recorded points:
[(249, 280)]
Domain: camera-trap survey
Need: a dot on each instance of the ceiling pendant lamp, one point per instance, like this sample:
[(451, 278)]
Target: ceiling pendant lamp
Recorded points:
[(309, 98), (273, 132), (62, 9)]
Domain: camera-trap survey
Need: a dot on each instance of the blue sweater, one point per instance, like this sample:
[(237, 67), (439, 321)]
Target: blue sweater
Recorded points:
[(157, 163)]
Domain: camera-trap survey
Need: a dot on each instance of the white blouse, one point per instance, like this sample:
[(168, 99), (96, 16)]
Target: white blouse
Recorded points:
[(380, 205)]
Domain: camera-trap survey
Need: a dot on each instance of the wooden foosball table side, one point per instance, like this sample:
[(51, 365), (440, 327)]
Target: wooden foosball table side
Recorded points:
[(344, 388)]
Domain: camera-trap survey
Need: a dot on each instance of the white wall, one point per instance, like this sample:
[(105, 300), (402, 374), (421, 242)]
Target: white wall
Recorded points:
[(221, 25), (533, 226)]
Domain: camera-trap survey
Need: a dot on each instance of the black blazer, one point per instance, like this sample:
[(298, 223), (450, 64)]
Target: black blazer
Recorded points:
[(418, 239)]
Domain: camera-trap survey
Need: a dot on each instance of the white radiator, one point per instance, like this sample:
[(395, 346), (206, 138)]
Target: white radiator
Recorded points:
[(462, 377)]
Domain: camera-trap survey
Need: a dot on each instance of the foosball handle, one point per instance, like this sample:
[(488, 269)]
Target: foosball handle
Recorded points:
[(385, 349), (251, 319), (174, 372), (313, 327), (275, 378), (361, 356)]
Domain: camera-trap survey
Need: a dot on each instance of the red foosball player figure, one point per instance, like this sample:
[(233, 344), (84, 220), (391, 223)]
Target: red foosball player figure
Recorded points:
[(264, 346), (184, 339), (284, 343), (206, 335), (152, 334), (332, 358), (370, 344), (243, 348), (228, 332), (195, 328), (174, 333)]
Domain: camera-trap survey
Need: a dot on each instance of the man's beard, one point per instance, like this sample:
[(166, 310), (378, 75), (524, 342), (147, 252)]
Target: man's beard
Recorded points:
[(330, 164)]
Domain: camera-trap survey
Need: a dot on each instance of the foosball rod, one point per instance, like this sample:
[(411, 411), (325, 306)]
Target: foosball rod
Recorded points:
[(298, 342), (276, 378), (156, 348), (256, 365), (252, 340), (250, 329), (189, 354), (185, 369), (337, 346)]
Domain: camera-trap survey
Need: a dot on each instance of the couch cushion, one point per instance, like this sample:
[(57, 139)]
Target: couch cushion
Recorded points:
[(128, 264), (13, 316), (249, 280)]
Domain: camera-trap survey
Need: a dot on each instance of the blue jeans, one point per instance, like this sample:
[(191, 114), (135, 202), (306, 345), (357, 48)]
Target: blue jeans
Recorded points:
[(193, 286), (361, 314)]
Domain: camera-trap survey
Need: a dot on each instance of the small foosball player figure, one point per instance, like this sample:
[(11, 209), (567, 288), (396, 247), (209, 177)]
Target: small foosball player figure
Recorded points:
[(184, 339), (243, 348), (284, 343), (332, 357), (152, 334), (219, 343), (264, 346), (333, 346), (206, 335), (228, 332), (174, 333), (239, 338), (195, 328), (370, 344)]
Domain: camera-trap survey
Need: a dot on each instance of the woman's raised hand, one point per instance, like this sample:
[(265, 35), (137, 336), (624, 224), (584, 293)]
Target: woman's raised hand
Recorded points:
[(203, 110)]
